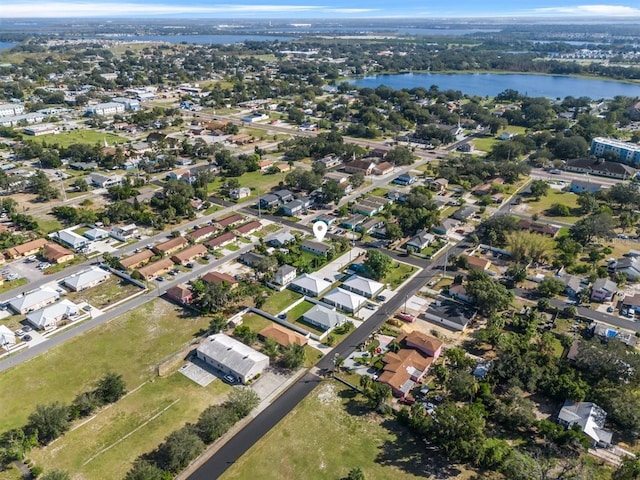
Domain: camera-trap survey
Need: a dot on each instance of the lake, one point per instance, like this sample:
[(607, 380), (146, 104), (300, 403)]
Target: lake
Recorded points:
[(197, 39), (7, 45), (490, 84)]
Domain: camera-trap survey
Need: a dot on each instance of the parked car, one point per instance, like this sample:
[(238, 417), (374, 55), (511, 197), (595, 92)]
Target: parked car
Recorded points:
[(26, 328), (610, 309), (381, 298), (405, 317), (230, 379), (26, 338), (160, 279), (189, 265), (19, 332)]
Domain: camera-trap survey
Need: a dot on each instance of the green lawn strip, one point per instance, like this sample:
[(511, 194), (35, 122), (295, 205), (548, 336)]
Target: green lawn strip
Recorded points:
[(398, 273), (111, 291), (244, 240), (311, 356), (255, 322), (132, 345), (48, 224), (297, 311), (91, 137), (307, 326), (340, 442), (11, 473), (264, 231), (279, 301), (379, 192), (232, 247), (107, 445), (212, 209), (11, 284)]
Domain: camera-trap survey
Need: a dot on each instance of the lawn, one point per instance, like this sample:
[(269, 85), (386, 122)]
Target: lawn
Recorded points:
[(484, 144), (345, 435), (398, 273), (11, 284), (255, 322), (101, 448), (307, 326), (132, 345), (108, 292), (279, 301), (264, 231), (379, 192), (297, 311), (82, 136), (259, 183), (48, 224), (212, 209), (554, 196)]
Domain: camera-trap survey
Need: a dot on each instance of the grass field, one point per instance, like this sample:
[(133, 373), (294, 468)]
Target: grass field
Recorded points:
[(297, 311), (345, 435), (259, 183), (82, 136), (111, 291), (399, 273), (554, 196), (101, 448), (11, 284), (255, 322), (132, 345), (48, 224), (279, 301)]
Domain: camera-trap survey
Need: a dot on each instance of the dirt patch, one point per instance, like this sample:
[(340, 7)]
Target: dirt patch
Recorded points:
[(327, 394)]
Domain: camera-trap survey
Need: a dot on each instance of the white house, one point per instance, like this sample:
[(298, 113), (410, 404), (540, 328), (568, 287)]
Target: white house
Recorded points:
[(285, 275), (7, 337), (591, 419), (105, 109), (231, 356), (420, 241), (86, 279), (70, 239), (105, 181), (34, 300), (124, 233), (48, 317), (363, 286), (323, 317), (96, 234), (239, 193), (10, 109), (344, 300), (309, 285)]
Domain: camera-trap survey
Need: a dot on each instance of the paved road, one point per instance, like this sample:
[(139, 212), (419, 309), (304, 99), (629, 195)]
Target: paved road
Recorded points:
[(215, 466), (71, 332)]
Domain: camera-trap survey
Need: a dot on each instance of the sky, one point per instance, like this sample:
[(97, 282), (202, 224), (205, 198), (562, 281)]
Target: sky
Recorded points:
[(266, 9)]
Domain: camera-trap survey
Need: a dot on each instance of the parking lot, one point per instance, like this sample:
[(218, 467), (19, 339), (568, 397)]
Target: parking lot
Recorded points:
[(25, 269)]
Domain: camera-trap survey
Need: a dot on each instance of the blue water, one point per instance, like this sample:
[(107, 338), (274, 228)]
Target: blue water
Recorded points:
[(490, 84), (7, 45), (612, 334), (198, 39)]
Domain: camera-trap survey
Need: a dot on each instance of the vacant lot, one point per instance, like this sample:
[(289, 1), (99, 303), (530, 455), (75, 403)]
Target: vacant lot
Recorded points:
[(541, 206), (398, 274), (345, 435), (106, 446), (82, 136), (279, 301), (109, 292), (132, 345)]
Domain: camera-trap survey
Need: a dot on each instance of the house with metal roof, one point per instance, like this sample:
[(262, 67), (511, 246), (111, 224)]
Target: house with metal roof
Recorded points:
[(7, 337), (70, 239), (34, 300), (420, 240), (344, 300), (86, 279), (589, 417), (323, 317), (96, 234), (232, 357), (450, 314), (362, 286), (49, 317), (317, 248), (309, 285)]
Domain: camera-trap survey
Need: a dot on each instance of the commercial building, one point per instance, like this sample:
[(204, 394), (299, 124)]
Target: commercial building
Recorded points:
[(628, 153), (232, 357)]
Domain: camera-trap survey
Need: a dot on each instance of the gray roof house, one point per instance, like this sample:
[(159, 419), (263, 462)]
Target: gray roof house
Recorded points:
[(630, 266), (86, 279), (285, 275), (344, 300), (450, 314), (363, 286), (279, 239), (323, 317), (464, 213), (50, 316), (317, 248), (70, 239), (591, 419), (309, 285), (250, 259), (572, 285), (33, 300), (231, 356), (603, 290), (421, 240)]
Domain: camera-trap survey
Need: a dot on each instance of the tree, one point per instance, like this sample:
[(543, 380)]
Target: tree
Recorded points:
[(559, 210), (145, 470), (629, 469), (293, 356), (357, 179), (178, 449), (214, 422), (241, 401), (587, 202), (490, 296), (111, 387), (42, 187), (377, 264), (80, 184), (270, 348), (49, 422), (539, 188), (550, 287), (332, 191), (458, 431), (462, 385), (59, 475), (355, 474), (596, 225), (400, 156)]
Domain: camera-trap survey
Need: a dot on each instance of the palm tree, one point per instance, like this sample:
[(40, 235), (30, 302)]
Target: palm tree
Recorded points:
[(270, 348)]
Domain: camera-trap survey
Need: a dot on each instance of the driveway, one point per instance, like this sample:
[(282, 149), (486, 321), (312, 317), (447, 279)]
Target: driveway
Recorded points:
[(269, 382)]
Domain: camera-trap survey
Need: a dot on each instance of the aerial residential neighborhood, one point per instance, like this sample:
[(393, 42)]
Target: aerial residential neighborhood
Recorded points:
[(217, 253)]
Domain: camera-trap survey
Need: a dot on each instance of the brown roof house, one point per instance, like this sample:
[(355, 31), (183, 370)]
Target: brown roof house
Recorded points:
[(282, 335), (217, 278), (137, 259), (55, 253), (189, 254), (222, 240), (156, 268), (170, 246), (249, 228), (26, 249), (180, 293), (477, 263), (201, 234), (230, 220)]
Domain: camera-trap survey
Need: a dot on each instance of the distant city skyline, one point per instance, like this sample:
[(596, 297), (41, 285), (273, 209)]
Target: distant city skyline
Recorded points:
[(309, 9)]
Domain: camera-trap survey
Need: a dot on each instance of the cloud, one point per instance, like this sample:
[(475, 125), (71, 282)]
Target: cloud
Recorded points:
[(107, 9), (588, 10), (350, 10)]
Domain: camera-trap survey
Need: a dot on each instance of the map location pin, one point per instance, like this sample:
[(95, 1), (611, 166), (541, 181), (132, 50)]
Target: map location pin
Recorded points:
[(320, 230)]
